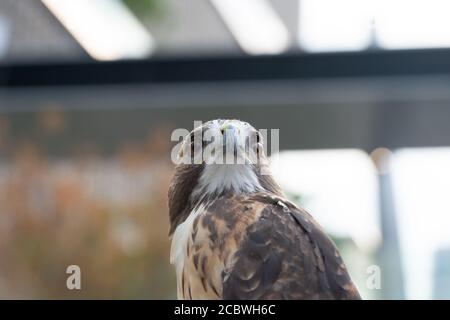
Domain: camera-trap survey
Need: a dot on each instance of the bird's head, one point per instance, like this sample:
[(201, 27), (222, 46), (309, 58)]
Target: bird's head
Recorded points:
[(218, 158), (224, 142)]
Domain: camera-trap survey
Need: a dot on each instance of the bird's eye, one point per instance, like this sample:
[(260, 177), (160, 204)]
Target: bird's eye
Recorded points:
[(192, 144), (197, 142), (258, 144)]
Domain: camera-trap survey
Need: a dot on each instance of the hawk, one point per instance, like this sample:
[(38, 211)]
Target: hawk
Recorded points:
[(235, 235)]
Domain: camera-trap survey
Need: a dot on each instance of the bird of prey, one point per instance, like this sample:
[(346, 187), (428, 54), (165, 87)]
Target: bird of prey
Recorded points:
[(235, 235)]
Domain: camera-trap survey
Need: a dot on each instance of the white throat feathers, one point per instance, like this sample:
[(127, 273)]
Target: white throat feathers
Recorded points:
[(217, 179)]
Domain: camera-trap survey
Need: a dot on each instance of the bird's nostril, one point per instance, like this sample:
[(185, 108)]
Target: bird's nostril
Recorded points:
[(222, 131)]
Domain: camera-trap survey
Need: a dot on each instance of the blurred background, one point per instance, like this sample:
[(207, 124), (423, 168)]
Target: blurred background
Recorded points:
[(90, 91)]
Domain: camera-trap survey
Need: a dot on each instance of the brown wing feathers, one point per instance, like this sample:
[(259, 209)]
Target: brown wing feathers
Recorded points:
[(257, 267), (263, 247), (286, 255), (332, 266)]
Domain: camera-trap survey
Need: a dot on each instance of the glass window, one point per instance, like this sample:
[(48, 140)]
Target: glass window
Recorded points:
[(421, 180)]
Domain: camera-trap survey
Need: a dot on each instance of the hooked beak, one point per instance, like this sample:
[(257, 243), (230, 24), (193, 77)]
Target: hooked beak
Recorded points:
[(230, 138)]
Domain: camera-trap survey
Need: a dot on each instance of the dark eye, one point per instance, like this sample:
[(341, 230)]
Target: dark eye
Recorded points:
[(258, 145), (192, 144), (195, 138), (204, 142)]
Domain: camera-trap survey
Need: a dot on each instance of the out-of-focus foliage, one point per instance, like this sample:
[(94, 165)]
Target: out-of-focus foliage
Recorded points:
[(106, 214), (145, 8)]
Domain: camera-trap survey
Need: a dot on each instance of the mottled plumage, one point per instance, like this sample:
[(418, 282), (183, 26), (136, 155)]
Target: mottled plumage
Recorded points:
[(236, 244)]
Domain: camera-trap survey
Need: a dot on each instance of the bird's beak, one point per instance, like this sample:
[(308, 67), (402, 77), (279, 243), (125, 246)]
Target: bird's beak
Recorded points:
[(229, 132), (230, 138)]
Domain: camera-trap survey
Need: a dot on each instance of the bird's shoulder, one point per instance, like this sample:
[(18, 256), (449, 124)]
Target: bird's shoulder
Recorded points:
[(274, 249)]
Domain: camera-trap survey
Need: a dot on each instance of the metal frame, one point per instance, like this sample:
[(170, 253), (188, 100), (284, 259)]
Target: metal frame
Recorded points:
[(331, 100), (374, 63)]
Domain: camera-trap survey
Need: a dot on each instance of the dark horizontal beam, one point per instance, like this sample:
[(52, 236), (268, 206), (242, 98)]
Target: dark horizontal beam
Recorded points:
[(231, 68)]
